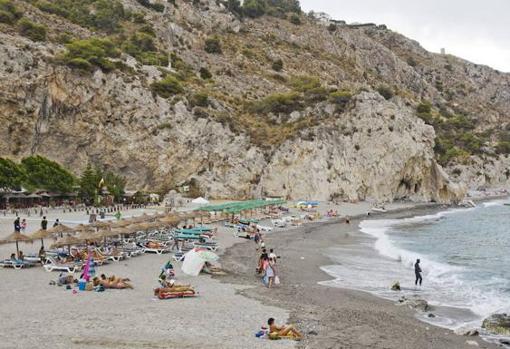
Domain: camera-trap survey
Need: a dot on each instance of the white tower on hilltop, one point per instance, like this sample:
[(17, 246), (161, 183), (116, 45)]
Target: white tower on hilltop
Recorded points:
[(443, 51)]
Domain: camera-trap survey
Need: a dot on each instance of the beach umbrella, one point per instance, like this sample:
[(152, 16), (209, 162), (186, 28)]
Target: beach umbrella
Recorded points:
[(41, 234), (120, 224), (208, 256), (195, 259), (67, 241), (80, 228), (171, 220), (16, 237), (101, 225), (61, 229)]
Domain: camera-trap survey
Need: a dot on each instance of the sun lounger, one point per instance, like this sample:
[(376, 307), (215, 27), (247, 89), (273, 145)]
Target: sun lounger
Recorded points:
[(53, 265), (159, 250), (15, 264), (211, 246)]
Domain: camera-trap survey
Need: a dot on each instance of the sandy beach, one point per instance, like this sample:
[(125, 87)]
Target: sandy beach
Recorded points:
[(219, 318), (229, 310), (334, 317)]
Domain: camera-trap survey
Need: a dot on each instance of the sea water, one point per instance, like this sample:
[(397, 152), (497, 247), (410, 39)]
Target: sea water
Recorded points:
[(465, 258)]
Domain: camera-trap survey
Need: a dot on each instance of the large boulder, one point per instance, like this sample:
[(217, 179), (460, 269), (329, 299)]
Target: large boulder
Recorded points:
[(497, 324)]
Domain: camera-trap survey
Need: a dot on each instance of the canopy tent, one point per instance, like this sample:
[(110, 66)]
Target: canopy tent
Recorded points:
[(200, 201)]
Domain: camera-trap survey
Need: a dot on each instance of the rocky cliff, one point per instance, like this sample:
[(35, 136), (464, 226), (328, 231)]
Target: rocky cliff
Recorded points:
[(252, 106)]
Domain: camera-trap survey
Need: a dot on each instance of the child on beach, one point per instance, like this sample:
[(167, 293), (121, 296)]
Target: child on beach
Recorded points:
[(23, 225)]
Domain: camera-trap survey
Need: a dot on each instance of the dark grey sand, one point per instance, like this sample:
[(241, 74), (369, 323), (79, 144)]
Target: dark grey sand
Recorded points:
[(333, 317)]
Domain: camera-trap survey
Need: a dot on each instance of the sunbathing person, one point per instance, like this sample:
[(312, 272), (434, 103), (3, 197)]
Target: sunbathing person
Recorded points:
[(172, 290), (283, 331), (171, 286), (208, 268), (152, 244), (112, 282)]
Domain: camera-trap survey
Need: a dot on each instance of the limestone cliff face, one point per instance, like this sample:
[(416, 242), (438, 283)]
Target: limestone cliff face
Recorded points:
[(372, 149), (377, 150)]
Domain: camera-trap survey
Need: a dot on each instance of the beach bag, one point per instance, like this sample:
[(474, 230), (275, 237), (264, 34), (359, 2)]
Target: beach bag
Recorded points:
[(276, 280)]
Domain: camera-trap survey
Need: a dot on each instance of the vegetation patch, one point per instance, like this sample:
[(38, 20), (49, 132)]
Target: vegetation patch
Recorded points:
[(88, 53), (167, 87), (455, 136), (9, 14), (386, 92), (31, 30), (213, 45), (156, 6), (277, 103)]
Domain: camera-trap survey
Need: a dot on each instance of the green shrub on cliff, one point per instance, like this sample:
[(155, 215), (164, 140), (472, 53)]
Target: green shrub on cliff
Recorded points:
[(385, 91), (31, 30), (340, 98), (277, 103), (304, 83), (141, 45), (8, 12), (167, 87), (277, 65), (295, 19), (105, 15), (213, 45), (254, 8), (200, 99), (156, 6), (87, 53)]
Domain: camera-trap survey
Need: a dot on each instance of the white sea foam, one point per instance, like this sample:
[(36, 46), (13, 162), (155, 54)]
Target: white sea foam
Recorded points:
[(444, 284)]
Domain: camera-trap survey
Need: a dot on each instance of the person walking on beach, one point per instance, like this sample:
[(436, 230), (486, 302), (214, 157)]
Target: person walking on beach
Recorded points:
[(44, 223), (23, 225), (17, 225), (417, 272)]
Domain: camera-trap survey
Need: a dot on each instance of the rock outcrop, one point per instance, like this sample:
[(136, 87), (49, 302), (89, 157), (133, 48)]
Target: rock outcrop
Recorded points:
[(498, 324), (369, 148)]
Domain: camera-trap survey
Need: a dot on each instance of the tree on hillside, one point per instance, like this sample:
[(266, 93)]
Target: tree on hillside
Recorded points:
[(88, 184), (11, 175), (254, 8), (42, 173)]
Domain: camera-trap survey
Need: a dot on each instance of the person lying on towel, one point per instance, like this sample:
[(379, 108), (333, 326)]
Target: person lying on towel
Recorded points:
[(285, 331)]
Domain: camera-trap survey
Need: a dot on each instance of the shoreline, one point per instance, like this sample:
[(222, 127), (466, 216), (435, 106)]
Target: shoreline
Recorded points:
[(333, 317)]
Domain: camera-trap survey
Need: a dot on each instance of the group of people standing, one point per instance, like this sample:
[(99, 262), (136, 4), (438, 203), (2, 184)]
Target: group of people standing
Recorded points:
[(267, 266), (20, 225)]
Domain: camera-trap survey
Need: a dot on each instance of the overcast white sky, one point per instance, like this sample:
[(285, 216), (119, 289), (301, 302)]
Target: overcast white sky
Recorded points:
[(478, 31)]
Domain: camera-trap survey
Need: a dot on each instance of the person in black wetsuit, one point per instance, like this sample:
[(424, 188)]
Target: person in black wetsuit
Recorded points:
[(417, 272)]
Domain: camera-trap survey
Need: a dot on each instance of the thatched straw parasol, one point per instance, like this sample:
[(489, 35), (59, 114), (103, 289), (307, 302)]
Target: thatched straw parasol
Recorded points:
[(61, 229), (16, 237), (101, 225), (41, 234), (120, 224), (80, 228), (67, 241)]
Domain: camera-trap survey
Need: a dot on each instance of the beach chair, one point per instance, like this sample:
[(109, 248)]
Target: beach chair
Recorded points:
[(15, 264), (163, 248), (53, 265), (209, 246)]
